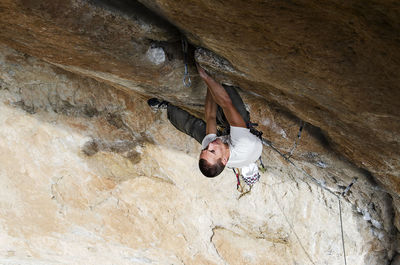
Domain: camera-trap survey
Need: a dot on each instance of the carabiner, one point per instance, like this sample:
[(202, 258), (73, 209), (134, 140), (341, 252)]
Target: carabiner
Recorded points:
[(187, 82)]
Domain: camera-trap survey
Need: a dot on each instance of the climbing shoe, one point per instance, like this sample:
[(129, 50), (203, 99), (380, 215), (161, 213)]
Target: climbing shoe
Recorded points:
[(155, 104)]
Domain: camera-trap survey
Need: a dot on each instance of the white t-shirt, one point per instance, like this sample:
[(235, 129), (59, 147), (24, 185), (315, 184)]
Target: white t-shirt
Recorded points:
[(244, 147)]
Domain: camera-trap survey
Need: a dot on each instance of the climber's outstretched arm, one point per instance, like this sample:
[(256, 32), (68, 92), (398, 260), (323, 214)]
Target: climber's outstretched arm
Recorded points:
[(211, 113), (222, 99)]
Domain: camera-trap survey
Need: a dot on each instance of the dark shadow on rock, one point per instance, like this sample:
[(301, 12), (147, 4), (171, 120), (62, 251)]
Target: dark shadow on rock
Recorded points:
[(123, 147), (135, 10), (22, 105)]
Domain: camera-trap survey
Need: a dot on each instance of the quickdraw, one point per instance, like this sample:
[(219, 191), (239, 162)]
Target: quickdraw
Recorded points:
[(187, 82), (238, 185), (347, 189), (289, 155)]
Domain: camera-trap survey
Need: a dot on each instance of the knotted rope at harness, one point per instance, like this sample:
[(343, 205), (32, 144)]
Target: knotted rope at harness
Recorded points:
[(187, 82)]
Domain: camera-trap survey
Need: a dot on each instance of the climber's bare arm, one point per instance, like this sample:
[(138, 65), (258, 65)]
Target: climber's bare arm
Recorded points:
[(211, 113), (222, 99)]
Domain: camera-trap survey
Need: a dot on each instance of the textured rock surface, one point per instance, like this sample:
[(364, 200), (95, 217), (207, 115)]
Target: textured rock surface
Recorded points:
[(333, 64), (89, 142), (108, 40), (86, 181)]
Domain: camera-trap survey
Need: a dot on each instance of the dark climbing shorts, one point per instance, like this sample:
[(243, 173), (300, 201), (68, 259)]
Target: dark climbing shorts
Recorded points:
[(196, 127)]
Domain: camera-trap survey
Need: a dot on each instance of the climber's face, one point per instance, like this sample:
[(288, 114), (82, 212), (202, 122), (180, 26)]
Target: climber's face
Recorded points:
[(214, 151)]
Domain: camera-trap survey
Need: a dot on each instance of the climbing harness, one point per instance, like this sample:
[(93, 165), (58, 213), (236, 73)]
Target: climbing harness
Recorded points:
[(253, 130), (320, 184), (251, 180), (289, 155), (187, 82)]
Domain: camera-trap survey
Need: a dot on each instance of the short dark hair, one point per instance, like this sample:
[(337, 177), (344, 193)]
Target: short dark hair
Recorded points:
[(209, 170)]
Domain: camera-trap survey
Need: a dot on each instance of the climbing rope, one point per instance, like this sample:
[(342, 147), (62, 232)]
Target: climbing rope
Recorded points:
[(262, 167), (187, 82), (341, 230), (319, 183), (346, 190)]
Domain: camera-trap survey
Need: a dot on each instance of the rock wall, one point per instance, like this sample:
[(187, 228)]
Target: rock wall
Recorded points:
[(114, 183), (91, 176), (333, 64)]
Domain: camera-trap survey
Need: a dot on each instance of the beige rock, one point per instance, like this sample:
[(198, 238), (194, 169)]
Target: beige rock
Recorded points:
[(333, 65), (90, 175)]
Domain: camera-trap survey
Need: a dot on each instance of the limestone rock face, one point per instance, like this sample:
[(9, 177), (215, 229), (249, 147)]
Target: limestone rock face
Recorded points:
[(120, 43), (89, 175), (333, 64)]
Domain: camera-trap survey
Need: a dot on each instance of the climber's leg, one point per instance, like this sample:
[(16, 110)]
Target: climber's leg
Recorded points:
[(186, 122), (238, 102), (239, 105), (196, 127)]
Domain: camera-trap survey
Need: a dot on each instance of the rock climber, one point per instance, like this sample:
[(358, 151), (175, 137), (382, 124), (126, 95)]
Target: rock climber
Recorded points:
[(233, 145)]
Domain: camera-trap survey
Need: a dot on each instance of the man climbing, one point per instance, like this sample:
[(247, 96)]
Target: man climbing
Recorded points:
[(235, 147)]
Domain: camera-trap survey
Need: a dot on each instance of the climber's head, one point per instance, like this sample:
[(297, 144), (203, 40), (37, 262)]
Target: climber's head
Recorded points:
[(213, 158)]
